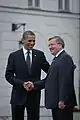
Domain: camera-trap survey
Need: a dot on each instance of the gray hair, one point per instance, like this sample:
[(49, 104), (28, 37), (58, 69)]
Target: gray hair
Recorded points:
[(59, 40)]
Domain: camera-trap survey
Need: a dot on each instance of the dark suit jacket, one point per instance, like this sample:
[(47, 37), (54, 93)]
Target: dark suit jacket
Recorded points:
[(59, 83), (17, 73)]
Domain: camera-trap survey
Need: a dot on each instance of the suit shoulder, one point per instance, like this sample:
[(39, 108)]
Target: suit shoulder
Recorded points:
[(69, 59), (15, 52), (67, 56), (40, 51)]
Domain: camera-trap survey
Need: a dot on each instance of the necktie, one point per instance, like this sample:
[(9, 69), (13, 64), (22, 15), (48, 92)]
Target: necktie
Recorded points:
[(54, 59), (28, 61)]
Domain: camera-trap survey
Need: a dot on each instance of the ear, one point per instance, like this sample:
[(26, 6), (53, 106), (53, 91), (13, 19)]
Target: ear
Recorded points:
[(22, 40)]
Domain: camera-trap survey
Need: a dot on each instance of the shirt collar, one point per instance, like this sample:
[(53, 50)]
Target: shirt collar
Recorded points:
[(25, 51), (59, 53)]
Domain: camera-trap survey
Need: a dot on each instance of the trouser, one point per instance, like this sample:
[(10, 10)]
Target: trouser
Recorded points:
[(65, 114), (18, 112)]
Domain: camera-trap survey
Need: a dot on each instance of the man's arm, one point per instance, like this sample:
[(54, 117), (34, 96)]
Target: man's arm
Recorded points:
[(9, 74), (36, 85), (40, 84), (66, 80), (44, 63)]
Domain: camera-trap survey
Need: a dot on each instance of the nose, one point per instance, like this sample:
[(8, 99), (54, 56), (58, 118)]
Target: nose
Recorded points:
[(32, 42)]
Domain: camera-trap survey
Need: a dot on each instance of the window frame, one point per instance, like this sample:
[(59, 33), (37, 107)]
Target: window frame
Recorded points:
[(35, 4), (64, 5)]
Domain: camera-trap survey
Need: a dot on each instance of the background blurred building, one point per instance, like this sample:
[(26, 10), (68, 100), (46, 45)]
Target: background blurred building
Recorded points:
[(46, 18)]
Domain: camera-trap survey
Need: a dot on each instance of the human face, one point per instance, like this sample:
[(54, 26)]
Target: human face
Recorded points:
[(54, 47), (29, 42)]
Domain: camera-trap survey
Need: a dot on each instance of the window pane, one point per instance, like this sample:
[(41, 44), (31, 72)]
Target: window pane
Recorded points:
[(37, 3), (60, 4), (29, 2), (67, 5)]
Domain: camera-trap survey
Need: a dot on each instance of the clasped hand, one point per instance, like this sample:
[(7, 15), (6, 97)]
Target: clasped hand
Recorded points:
[(28, 85), (61, 105)]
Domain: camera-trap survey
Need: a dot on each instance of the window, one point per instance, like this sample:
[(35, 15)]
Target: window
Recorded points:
[(63, 5), (30, 2), (67, 5), (34, 3)]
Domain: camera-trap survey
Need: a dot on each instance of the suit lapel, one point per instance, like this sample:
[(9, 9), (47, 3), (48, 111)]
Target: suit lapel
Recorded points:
[(23, 58), (54, 61), (22, 55), (34, 55)]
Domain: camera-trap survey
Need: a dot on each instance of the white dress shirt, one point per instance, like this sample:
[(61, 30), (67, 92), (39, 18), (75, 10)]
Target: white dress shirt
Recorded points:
[(25, 54), (59, 53)]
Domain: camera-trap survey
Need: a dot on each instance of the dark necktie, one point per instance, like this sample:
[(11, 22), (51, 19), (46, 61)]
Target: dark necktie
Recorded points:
[(54, 59), (28, 61)]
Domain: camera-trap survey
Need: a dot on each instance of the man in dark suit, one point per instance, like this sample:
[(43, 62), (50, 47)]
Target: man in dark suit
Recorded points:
[(59, 83), (25, 65)]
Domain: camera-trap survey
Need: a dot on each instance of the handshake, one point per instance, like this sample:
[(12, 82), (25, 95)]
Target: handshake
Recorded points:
[(28, 86)]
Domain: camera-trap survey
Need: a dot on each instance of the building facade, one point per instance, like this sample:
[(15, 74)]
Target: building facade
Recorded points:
[(46, 18)]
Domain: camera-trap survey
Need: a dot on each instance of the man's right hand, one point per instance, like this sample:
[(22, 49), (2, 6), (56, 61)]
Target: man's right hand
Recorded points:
[(28, 85)]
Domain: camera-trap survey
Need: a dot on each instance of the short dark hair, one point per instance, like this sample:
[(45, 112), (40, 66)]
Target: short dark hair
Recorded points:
[(59, 40), (26, 33)]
